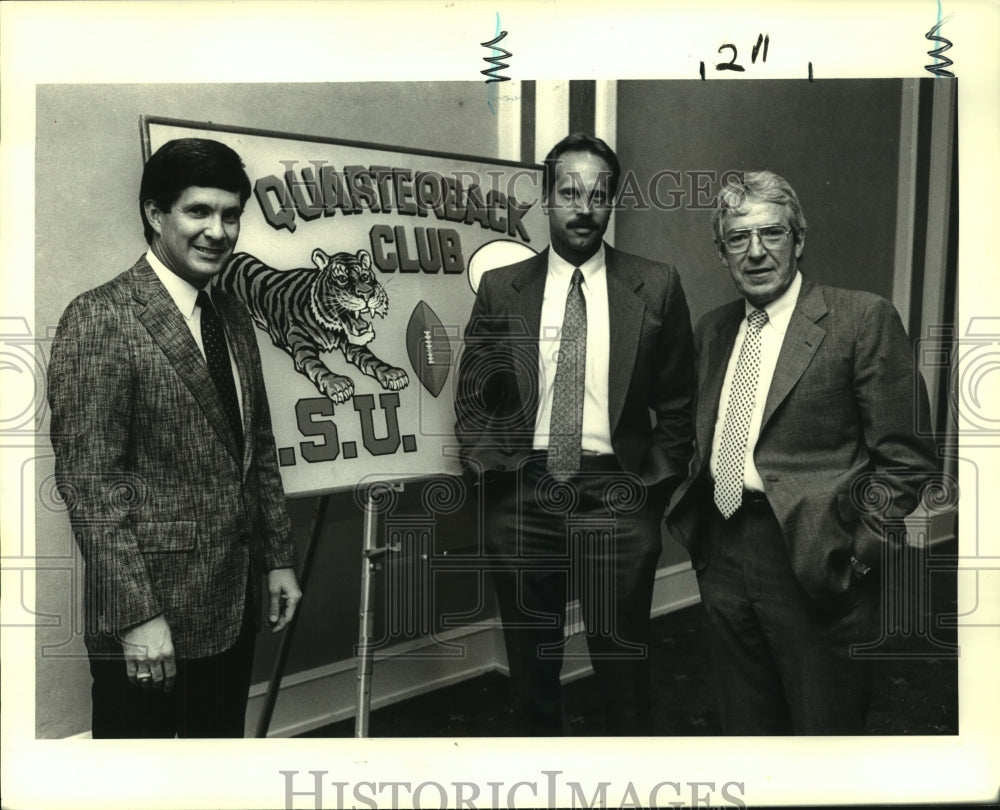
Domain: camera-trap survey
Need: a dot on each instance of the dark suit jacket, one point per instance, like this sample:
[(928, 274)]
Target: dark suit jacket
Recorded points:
[(837, 450), (169, 517), (651, 367)]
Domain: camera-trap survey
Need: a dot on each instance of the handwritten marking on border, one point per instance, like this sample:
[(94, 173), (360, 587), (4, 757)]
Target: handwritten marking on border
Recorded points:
[(496, 60), (938, 68)]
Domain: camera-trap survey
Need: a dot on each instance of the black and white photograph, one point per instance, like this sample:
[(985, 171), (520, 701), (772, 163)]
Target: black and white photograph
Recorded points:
[(564, 407)]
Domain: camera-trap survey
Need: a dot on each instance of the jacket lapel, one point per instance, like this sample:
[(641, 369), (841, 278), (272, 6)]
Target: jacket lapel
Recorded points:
[(802, 339), (525, 322), (228, 309), (156, 310), (712, 372), (625, 311)]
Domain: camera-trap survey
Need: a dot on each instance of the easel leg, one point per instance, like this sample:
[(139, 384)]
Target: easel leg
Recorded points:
[(285, 644), (366, 654)]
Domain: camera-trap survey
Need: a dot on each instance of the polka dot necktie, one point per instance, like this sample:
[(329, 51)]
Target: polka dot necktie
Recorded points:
[(213, 338), (742, 394), (566, 423)]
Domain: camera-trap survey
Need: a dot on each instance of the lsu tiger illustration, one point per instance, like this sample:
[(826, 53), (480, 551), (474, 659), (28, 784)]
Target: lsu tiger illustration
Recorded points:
[(307, 311)]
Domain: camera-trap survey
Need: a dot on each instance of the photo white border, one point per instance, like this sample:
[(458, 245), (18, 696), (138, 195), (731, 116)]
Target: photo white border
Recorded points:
[(309, 41)]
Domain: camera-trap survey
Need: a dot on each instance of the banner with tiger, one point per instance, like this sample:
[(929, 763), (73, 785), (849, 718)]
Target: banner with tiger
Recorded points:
[(359, 264)]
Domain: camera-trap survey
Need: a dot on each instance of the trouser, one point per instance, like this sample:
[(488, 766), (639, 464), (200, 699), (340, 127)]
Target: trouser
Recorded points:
[(596, 538), (782, 660), (209, 698)]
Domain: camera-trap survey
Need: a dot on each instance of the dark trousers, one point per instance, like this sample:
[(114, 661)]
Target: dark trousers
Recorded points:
[(595, 537), (209, 698), (783, 661)]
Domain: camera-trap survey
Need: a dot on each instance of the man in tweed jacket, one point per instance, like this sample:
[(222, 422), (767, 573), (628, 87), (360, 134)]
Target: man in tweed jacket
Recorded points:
[(177, 510)]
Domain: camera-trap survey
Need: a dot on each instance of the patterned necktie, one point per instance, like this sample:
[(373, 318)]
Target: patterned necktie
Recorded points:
[(213, 338), (733, 449), (566, 424)]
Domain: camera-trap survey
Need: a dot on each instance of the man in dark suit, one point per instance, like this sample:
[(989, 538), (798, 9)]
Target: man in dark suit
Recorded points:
[(807, 403), (573, 409), (166, 461)]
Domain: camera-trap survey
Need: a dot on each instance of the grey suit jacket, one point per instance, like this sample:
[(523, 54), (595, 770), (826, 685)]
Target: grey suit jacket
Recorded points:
[(837, 451), (651, 368), (169, 516)]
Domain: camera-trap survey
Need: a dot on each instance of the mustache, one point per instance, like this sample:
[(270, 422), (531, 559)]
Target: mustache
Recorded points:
[(582, 221)]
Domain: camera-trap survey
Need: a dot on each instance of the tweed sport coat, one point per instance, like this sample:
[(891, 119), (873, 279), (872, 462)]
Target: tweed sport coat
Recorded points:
[(651, 368), (169, 517), (837, 452)]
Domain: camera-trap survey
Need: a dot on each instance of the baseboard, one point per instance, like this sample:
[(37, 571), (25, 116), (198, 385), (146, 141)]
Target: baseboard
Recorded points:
[(323, 695), (317, 697), (929, 529), (675, 588)]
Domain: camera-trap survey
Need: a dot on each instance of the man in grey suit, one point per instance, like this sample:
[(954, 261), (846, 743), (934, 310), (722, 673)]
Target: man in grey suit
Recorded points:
[(166, 461), (573, 409), (807, 395)]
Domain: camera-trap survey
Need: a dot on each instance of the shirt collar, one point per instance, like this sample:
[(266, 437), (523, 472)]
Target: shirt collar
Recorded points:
[(563, 270), (185, 295), (779, 311)]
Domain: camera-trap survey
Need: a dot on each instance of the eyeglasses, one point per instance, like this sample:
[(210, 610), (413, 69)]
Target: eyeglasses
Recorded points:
[(771, 237)]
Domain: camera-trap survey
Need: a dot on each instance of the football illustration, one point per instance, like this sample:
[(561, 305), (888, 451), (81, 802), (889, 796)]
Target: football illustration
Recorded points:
[(429, 348)]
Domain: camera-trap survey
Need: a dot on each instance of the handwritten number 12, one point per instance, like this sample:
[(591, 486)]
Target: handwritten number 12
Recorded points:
[(762, 40)]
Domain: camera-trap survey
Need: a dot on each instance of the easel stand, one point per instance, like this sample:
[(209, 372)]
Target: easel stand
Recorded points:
[(370, 557), (285, 644), (370, 563)]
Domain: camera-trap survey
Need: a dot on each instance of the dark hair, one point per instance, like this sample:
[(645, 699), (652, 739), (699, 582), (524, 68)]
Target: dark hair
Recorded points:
[(188, 162), (580, 142)]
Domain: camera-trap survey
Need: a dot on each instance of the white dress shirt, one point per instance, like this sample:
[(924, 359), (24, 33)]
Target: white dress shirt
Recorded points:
[(596, 425), (185, 297), (779, 313)]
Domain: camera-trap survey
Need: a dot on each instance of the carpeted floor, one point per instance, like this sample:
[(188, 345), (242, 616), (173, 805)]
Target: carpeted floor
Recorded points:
[(916, 683)]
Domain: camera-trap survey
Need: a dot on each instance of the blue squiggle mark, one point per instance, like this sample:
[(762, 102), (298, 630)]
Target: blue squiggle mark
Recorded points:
[(938, 67)]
